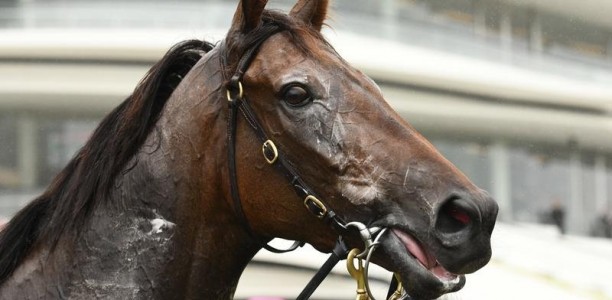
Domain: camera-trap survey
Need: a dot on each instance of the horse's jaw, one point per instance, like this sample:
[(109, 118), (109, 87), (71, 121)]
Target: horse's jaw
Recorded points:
[(447, 280)]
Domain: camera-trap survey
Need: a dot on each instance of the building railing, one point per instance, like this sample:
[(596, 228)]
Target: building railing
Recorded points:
[(411, 25)]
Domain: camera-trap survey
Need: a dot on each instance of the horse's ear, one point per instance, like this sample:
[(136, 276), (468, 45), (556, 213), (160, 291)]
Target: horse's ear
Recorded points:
[(312, 12), (248, 15)]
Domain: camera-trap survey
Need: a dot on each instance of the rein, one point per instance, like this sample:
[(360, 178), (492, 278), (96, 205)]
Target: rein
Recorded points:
[(237, 102)]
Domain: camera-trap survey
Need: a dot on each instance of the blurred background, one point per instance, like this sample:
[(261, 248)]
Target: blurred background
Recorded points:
[(516, 93)]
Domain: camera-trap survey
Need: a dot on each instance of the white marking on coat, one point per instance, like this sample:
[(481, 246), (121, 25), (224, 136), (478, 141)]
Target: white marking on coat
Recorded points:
[(158, 225)]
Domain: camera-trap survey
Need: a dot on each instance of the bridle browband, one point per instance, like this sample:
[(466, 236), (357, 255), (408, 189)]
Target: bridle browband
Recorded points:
[(237, 102)]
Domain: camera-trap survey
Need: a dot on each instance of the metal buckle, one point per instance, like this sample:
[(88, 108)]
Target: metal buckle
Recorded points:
[(316, 202), (240, 93), (269, 145)]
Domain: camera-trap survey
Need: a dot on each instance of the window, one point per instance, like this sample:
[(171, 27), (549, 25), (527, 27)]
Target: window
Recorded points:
[(539, 177)]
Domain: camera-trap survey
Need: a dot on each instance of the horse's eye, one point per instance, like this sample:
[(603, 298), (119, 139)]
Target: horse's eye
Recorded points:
[(296, 95)]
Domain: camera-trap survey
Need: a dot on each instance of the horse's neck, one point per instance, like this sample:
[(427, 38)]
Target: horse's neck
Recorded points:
[(168, 232), (178, 236), (157, 250)]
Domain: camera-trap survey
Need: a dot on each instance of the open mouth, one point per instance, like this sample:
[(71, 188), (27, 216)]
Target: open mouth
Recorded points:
[(422, 275), (426, 258)]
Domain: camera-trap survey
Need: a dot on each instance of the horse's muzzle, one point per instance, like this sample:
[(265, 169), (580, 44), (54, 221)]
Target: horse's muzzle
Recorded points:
[(463, 228)]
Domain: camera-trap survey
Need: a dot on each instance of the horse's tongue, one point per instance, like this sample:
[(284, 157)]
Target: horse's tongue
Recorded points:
[(414, 247), (426, 259)]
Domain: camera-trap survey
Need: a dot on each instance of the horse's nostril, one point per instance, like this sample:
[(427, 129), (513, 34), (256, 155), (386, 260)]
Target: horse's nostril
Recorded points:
[(460, 216), (454, 216)]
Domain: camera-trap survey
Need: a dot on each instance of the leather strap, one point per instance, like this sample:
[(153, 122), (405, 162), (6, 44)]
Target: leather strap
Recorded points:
[(310, 199), (234, 91), (231, 148), (339, 253), (237, 101)]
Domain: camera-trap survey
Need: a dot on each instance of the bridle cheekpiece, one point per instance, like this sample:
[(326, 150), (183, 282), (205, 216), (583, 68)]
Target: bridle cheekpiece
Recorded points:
[(237, 102)]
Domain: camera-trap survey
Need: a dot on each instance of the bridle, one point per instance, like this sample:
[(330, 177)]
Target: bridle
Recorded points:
[(237, 102)]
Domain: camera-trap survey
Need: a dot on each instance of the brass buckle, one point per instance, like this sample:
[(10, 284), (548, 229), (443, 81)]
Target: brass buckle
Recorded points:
[(266, 146), (240, 93), (318, 204)]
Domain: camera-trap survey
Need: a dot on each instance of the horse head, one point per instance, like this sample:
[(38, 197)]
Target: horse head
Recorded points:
[(270, 133), (333, 127)]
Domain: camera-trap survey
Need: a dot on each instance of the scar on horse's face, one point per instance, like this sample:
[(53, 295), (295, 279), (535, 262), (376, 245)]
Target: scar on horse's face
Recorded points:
[(366, 160)]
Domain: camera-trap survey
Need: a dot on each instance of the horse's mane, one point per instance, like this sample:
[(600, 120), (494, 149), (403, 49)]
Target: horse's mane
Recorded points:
[(88, 178)]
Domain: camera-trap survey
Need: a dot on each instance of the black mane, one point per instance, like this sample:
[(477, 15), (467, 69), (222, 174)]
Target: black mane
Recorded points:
[(88, 178)]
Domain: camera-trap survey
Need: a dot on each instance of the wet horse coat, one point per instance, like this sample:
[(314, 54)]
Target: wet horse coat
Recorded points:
[(145, 210)]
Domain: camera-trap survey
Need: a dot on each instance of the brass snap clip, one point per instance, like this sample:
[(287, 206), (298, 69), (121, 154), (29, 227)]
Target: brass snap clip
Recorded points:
[(357, 273), (399, 291)]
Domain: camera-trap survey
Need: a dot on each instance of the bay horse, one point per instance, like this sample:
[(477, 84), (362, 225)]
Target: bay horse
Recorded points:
[(175, 191)]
